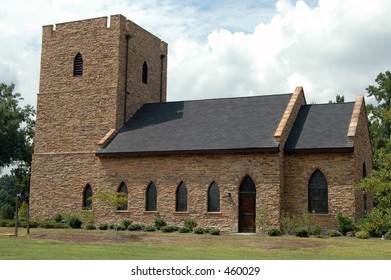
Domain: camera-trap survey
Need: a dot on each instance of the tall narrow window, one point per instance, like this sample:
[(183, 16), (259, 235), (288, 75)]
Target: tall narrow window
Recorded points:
[(87, 197), (318, 193), (151, 203), (78, 65), (214, 198), (123, 193), (145, 73), (181, 198)]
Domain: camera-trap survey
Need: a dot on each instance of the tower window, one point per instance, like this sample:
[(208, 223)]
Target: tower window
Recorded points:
[(145, 73), (78, 65), (87, 197)]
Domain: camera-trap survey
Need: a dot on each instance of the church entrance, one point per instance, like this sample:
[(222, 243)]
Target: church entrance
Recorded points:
[(247, 194)]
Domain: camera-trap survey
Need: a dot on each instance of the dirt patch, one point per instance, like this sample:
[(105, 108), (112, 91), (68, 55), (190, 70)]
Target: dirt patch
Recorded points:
[(86, 237)]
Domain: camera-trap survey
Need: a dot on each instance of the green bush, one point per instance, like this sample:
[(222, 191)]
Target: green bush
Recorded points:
[(190, 223), (169, 228), (375, 221), (59, 217), (75, 222), (126, 223), (149, 228), (214, 231), (90, 227), (362, 234), (160, 222), (274, 232), (199, 230), (333, 233), (120, 227), (301, 232), (51, 224), (345, 224), (388, 235), (6, 212), (103, 226), (184, 230), (135, 227)]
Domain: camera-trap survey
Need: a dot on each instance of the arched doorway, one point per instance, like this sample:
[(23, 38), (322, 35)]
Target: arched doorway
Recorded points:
[(247, 194)]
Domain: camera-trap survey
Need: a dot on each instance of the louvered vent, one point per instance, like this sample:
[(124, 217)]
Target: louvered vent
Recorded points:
[(78, 65), (145, 73)]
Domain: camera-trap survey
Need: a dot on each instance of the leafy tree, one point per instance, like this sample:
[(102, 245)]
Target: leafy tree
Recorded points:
[(380, 114), (114, 199), (16, 128), (338, 99), (380, 180)]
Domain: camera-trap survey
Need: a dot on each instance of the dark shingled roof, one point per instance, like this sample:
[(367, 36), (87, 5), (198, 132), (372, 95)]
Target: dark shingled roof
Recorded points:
[(321, 127), (246, 123)]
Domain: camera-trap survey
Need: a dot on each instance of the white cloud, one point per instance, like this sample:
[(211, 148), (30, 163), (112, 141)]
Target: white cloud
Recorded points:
[(230, 48)]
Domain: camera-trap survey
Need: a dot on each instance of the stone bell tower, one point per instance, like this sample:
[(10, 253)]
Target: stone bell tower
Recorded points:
[(95, 74)]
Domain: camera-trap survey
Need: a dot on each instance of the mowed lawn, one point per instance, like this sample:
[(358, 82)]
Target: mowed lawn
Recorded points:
[(67, 244)]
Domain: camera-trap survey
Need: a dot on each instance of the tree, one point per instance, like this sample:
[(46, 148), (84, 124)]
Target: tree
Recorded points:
[(338, 99), (16, 128), (380, 114)]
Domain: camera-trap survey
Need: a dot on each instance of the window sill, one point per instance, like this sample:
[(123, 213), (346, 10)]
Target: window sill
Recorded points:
[(121, 211), (181, 212), (151, 212), (213, 213)]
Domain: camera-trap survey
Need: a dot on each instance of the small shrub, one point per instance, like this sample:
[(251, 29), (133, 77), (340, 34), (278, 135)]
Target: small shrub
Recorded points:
[(362, 234), (159, 222), (75, 222), (126, 223), (315, 230), (59, 217), (149, 228), (190, 223), (135, 227), (214, 231), (168, 228), (51, 224), (199, 230), (103, 226), (345, 224), (184, 230), (90, 227), (301, 232), (388, 235), (274, 232), (3, 223), (120, 227), (333, 233)]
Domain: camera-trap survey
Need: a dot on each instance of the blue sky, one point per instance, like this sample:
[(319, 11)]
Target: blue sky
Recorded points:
[(225, 48)]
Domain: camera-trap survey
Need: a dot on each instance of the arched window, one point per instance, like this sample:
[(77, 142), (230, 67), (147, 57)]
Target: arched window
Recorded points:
[(123, 190), (318, 193), (181, 198), (151, 203), (145, 73), (213, 198), (78, 65), (87, 197)]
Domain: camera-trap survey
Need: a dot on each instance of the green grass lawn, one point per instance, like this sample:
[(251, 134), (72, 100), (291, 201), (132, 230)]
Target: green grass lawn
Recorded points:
[(45, 244)]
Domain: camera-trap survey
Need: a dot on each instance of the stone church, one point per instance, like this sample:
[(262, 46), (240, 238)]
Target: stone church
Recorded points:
[(104, 126)]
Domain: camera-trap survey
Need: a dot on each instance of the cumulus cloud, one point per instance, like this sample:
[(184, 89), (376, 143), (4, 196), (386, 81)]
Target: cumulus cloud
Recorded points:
[(225, 48), (337, 47)]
